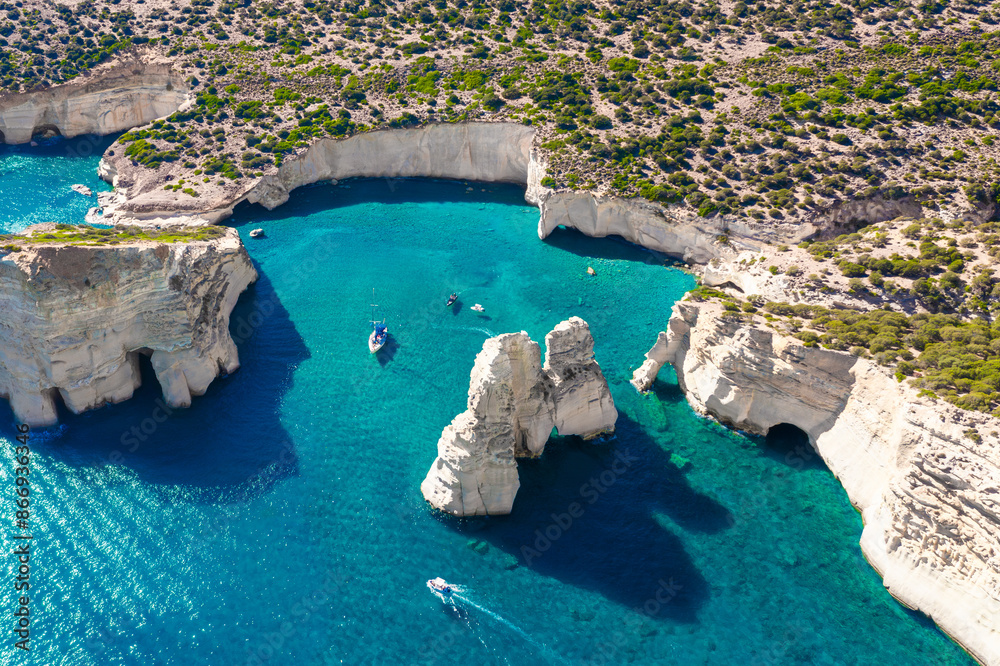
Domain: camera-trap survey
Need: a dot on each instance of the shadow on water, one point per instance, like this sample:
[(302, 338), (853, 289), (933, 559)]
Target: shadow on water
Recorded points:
[(83, 146), (615, 545), (241, 448), (611, 247), (388, 351), (322, 196)]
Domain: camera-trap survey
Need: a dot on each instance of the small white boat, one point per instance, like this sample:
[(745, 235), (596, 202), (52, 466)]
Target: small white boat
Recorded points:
[(380, 332), (257, 233), (478, 308), (440, 586), (82, 189)]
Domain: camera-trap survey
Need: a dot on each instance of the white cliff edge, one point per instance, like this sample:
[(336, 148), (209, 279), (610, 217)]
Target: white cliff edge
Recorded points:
[(929, 495), (76, 319), (514, 402), (119, 96), (475, 151)]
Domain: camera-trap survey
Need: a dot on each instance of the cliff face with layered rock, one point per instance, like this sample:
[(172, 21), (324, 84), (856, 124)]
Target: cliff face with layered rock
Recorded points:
[(116, 97), (514, 402), (483, 151), (929, 494), (489, 152), (75, 319)]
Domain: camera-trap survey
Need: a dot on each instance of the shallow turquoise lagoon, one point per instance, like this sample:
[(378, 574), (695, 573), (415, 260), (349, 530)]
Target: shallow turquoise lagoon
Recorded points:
[(279, 520), (35, 181)]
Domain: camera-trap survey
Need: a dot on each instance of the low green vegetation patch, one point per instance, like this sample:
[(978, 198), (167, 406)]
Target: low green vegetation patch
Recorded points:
[(948, 357), (83, 234)]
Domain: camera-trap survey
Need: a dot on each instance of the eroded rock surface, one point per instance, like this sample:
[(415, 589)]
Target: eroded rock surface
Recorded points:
[(514, 402), (116, 97), (75, 318), (929, 493)]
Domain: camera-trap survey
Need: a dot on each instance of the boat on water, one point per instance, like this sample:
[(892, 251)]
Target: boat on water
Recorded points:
[(378, 337), (440, 586), (451, 300), (478, 308), (380, 332)]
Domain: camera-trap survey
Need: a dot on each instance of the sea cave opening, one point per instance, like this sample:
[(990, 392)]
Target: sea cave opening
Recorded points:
[(790, 444), (47, 131)]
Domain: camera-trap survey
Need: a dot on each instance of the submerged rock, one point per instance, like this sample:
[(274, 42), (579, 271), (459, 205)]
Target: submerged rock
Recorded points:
[(514, 403)]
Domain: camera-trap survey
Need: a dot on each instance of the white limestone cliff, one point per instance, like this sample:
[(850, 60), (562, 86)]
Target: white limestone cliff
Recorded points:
[(477, 151), (928, 493), (121, 95), (514, 402), (75, 318), (488, 152)]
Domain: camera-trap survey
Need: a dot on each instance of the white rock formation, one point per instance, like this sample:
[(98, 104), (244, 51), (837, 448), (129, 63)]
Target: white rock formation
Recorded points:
[(514, 402), (114, 97), (645, 374), (479, 151), (582, 400), (492, 152), (846, 216), (929, 495), (75, 318)]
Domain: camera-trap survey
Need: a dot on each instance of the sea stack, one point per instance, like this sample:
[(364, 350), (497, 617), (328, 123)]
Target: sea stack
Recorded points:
[(76, 317), (514, 403)]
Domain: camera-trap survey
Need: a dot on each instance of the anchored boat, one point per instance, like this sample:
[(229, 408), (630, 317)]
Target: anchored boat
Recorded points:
[(380, 332)]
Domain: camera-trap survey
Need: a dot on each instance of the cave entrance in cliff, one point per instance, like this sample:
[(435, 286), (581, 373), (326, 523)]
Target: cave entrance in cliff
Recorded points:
[(45, 132), (790, 444)]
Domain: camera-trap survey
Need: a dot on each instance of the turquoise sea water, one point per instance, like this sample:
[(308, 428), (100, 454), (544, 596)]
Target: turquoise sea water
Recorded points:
[(279, 520), (35, 181)]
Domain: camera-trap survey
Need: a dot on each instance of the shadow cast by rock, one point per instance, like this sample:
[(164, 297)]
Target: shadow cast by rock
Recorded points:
[(241, 448), (611, 247), (586, 514)]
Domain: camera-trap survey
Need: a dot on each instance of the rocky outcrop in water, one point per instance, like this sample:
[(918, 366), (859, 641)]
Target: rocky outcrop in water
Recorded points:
[(928, 492), (514, 402), (75, 319), (116, 97)]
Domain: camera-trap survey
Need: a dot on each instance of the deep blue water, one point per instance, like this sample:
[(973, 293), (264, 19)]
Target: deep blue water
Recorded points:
[(279, 519)]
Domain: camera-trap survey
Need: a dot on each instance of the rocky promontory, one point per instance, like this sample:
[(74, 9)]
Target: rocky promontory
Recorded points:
[(925, 475), (514, 403), (80, 305)]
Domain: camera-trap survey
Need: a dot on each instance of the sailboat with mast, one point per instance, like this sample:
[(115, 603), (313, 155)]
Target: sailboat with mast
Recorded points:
[(380, 332)]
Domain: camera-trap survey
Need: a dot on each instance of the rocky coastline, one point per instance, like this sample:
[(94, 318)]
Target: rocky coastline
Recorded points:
[(924, 475), (121, 95), (78, 316), (927, 495)]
